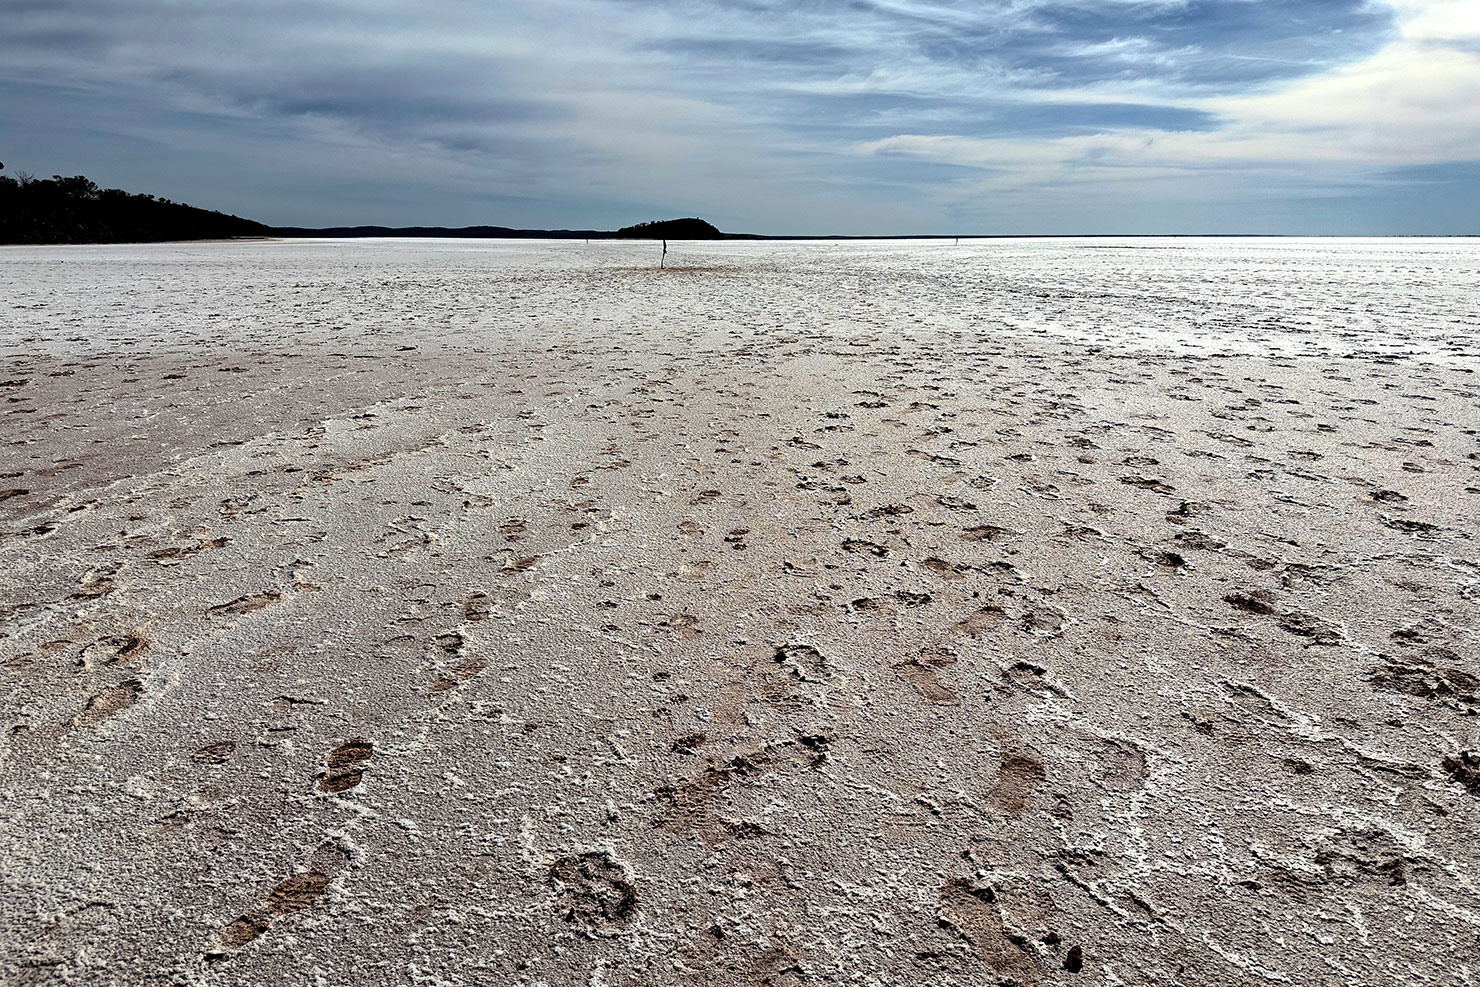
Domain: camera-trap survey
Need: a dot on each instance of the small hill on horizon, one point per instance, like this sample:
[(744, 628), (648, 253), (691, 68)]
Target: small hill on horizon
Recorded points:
[(691, 228), (76, 210)]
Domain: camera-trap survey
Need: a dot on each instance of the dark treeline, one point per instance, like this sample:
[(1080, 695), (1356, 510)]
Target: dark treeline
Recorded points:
[(76, 210)]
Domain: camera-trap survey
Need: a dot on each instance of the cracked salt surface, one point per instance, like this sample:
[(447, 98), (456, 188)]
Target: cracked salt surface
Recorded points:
[(1032, 611)]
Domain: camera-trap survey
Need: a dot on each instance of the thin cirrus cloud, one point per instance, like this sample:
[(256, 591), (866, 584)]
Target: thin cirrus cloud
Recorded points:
[(855, 116)]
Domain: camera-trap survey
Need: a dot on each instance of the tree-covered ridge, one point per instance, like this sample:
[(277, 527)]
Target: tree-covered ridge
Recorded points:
[(691, 228), (76, 210)]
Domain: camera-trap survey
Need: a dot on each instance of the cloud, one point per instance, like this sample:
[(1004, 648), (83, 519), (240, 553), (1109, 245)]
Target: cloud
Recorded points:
[(1322, 134), (852, 115)]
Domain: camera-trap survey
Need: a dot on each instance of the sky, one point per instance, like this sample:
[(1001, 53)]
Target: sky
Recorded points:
[(1344, 117)]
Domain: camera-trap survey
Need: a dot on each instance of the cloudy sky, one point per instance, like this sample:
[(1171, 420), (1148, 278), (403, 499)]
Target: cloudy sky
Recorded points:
[(773, 116)]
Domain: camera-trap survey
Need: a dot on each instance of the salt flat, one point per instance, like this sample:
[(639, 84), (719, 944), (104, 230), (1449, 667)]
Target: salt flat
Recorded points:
[(454, 612)]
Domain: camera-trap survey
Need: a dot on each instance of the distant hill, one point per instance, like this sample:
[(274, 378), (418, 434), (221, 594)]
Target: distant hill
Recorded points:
[(76, 210), (692, 228)]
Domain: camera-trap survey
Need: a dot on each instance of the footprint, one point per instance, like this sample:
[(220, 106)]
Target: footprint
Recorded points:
[(693, 805), (1426, 681), (1261, 602), (1186, 509), (95, 584), (477, 606), (1419, 528), (688, 743), (595, 892), (695, 572), (859, 545), (343, 773), (974, 914), (1122, 764), (934, 457), (110, 702), (246, 604), (1256, 601), (165, 555), (944, 569), (122, 649), (1018, 778), (469, 667), (686, 624), (921, 673), (1304, 625), (1169, 560), (1044, 621), (1464, 768), (1148, 483), (295, 894), (242, 931), (216, 753), (982, 621), (803, 661)]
